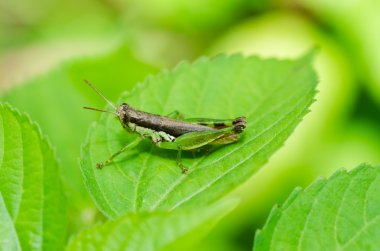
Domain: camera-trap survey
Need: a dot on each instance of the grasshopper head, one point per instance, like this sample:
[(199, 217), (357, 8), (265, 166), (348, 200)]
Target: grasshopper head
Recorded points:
[(122, 113), (125, 113)]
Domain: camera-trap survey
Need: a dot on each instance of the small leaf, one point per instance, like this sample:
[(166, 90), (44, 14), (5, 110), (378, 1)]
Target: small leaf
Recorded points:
[(274, 95), (341, 213), (152, 231), (32, 204)]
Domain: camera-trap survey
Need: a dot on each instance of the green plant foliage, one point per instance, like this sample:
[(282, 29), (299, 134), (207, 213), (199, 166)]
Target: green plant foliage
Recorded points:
[(153, 231), (274, 95), (357, 37), (32, 204), (55, 101), (341, 213), (186, 15)]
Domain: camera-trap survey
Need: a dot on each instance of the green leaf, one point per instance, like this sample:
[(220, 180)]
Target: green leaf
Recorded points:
[(55, 101), (8, 235), (32, 204), (341, 213), (153, 231), (274, 95)]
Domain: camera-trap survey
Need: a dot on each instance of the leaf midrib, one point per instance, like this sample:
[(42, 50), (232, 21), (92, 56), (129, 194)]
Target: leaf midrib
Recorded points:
[(159, 202), (193, 167)]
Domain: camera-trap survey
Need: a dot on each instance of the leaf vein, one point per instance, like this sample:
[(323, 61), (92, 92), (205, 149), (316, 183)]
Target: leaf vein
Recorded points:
[(362, 230), (338, 213), (236, 165), (312, 208), (139, 179), (172, 188)]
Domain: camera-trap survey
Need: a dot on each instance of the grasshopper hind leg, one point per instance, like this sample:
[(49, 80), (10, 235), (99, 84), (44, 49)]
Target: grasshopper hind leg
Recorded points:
[(218, 123), (197, 140), (178, 160)]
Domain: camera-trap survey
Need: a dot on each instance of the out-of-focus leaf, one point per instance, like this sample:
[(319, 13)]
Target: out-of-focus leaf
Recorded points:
[(153, 231), (287, 34), (361, 37), (23, 23), (274, 95), (187, 15), (32, 204), (341, 213)]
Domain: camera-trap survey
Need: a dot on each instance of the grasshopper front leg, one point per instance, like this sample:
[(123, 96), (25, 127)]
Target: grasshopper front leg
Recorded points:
[(130, 145)]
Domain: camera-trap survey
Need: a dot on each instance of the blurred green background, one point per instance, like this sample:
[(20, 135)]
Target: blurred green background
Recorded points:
[(47, 47)]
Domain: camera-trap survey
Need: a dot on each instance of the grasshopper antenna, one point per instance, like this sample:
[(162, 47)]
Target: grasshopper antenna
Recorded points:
[(101, 95), (98, 110)]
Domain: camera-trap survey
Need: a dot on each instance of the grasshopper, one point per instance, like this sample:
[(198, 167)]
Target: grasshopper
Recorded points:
[(172, 131)]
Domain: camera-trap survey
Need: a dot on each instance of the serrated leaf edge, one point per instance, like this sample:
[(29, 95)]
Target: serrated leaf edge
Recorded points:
[(277, 211)]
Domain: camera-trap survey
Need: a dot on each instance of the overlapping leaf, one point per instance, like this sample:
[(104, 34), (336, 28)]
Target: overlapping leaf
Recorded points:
[(152, 231), (341, 213), (274, 95), (32, 205)]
